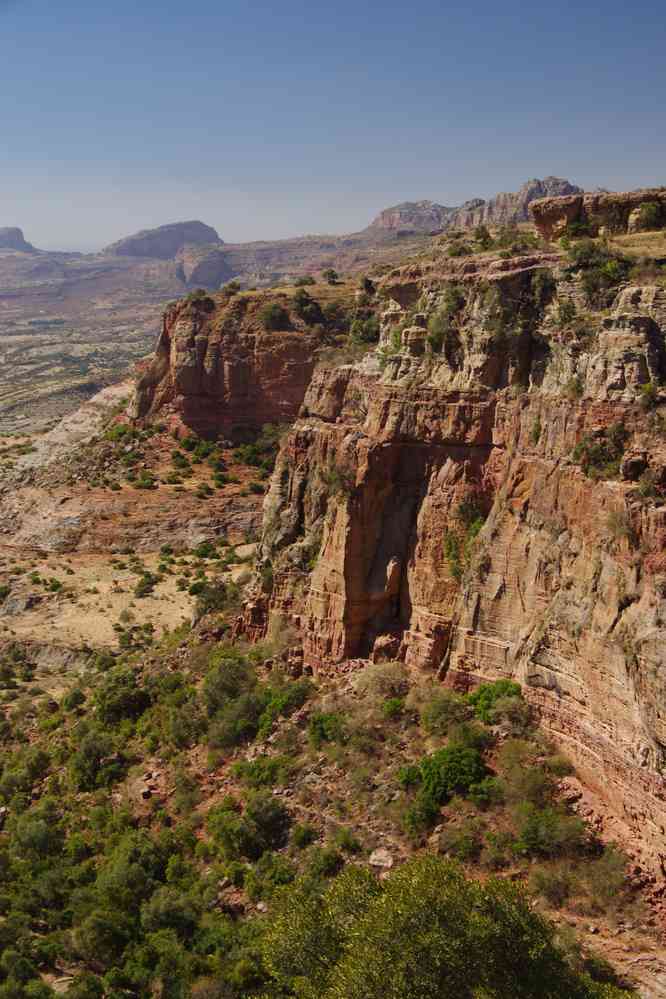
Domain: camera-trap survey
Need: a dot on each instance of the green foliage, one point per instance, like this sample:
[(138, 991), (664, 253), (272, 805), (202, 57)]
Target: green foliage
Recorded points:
[(303, 280), (306, 308), (600, 269), (443, 709), (365, 329), (120, 696), (451, 770), (484, 698), (459, 540), (274, 317), (330, 276), (651, 215), (649, 396), (549, 831), (426, 932), (599, 455), (263, 825), (326, 727), (263, 771), (442, 329)]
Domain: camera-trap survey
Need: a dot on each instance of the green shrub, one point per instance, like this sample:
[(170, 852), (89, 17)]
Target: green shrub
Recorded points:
[(324, 862), (120, 696), (74, 699), (548, 832), (442, 710), (302, 835), (486, 793), (271, 871), (651, 215), (600, 455), (462, 842), (263, 771), (484, 698), (326, 727), (263, 825), (451, 770), (426, 932), (274, 317), (555, 883), (393, 707)]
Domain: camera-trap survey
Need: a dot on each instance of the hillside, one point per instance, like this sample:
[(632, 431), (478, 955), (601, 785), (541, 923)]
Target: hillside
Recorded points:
[(357, 581)]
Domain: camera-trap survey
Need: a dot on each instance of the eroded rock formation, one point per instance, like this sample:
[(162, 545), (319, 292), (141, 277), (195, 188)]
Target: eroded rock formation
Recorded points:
[(598, 212), (218, 371), (490, 504)]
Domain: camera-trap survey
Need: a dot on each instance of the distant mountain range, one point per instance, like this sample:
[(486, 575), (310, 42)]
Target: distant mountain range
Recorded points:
[(198, 255), (71, 322)]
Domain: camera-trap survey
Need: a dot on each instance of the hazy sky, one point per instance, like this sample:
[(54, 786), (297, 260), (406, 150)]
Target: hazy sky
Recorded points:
[(275, 119)]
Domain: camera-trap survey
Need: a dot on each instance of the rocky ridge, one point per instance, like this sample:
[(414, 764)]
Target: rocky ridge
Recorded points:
[(600, 213), (434, 506), (503, 209)]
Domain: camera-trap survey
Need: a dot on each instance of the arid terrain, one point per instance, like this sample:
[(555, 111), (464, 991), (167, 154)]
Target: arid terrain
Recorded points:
[(72, 323), (362, 574)]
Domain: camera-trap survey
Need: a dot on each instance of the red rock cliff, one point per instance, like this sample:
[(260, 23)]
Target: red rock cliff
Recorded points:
[(488, 502), (218, 371)]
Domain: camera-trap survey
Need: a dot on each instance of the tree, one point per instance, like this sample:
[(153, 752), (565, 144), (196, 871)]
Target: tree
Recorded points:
[(330, 276), (274, 317), (425, 933)]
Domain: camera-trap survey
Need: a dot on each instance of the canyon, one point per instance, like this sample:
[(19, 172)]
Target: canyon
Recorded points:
[(454, 467)]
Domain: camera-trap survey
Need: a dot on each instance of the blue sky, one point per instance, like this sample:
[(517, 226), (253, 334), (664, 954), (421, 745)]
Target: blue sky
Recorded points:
[(276, 119)]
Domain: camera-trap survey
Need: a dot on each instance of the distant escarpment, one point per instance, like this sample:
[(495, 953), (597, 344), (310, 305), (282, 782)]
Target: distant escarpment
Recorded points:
[(164, 242), (503, 209), (484, 496), (600, 213), (11, 238)]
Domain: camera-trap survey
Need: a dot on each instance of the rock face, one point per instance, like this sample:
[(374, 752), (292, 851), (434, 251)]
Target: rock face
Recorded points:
[(508, 208), (428, 216), (11, 238), (203, 266), (597, 212), (217, 371), (164, 242), (419, 216), (432, 505)]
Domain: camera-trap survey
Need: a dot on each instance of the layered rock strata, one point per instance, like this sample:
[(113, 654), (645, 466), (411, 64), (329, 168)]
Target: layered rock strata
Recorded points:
[(431, 504), (218, 371), (599, 212)]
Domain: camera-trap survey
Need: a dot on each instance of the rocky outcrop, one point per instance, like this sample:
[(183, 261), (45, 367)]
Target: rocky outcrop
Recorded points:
[(430, 504), (506, 209), (203, 266), (503, 209), (217, 371), (598, 212), (11, 238), (418, 216), (164, 242)]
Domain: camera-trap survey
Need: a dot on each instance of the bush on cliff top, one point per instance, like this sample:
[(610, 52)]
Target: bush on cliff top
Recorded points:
[(274, 317)]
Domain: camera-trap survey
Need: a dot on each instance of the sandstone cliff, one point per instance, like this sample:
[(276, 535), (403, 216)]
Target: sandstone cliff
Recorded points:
[(600, 213), (486, 498), (218, 371), (428, 216)]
